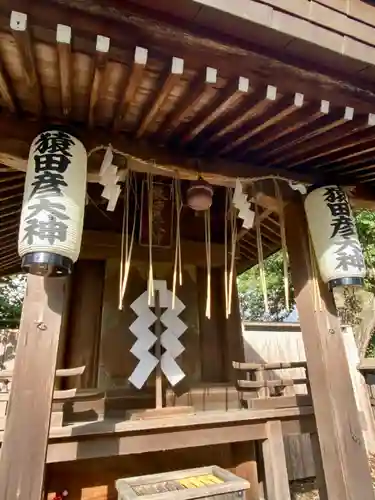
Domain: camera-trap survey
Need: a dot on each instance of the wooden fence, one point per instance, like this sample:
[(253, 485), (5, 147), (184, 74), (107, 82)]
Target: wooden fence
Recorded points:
[(282, 342)]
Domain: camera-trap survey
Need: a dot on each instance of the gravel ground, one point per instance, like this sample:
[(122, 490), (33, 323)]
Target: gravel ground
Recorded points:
[(305, 490)]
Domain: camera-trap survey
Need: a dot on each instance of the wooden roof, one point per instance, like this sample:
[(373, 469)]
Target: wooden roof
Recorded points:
[(165, 94)]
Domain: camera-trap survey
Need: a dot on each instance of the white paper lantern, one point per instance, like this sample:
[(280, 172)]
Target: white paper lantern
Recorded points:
[(53, 204), (334, 237)]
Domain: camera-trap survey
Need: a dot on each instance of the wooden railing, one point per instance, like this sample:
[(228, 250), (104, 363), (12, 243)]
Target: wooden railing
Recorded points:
[(257, 390)]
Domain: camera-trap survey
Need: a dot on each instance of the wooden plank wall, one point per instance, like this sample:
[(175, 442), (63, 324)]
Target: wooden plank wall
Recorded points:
[(286, 344)]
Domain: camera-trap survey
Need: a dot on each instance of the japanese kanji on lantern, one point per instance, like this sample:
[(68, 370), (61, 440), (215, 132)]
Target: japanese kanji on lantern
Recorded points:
[(334, 237), (51, 224)]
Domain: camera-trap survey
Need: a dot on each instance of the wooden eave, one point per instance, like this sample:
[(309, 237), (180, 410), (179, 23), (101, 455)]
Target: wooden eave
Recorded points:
[(163, 91)]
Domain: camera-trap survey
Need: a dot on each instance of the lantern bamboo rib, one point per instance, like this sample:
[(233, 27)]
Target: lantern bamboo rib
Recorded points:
[(283, 242)]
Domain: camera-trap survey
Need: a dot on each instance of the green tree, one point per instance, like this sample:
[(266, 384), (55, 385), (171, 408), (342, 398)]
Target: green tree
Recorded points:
[(12, 289), (251, 295)]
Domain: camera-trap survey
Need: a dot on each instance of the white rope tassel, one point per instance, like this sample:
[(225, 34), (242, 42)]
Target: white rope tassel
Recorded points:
[(261, 258), (128, 246), (233, 222), (150, 238), (207, 227), (123, 250), (177, 256), (283, 243), (226, 283)]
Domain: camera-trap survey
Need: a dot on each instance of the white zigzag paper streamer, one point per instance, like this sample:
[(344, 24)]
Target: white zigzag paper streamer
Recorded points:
[(241, 203), (169, 339)]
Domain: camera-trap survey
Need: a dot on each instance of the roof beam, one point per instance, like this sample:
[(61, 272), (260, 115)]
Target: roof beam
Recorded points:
[(99, 67), (16, 137)]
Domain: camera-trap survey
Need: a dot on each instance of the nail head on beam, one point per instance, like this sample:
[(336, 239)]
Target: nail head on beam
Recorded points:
[(102, 43), (177, 66), (324, 107), (243, 84), (18, 21), (140, 56), (271, 93), (298, 100), (63, 34), (211, 75), (349, 113)]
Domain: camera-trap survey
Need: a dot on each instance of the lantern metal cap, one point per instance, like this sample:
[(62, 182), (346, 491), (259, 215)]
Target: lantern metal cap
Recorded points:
[(357, 282), (47, 264)]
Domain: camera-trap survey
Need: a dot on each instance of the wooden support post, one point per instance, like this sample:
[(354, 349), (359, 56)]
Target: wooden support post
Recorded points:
[(277, 482), (245, 466), (27, 427), (343, 453)]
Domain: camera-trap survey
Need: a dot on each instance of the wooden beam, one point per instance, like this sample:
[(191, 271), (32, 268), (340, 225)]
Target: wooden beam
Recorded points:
[(282, 108), (226, 100), (22, 37), (6, 90), (133, 81), (203, 84), (63, 45), (16, 137), (98, 71), (340, 435), (23, 452), (168, 81)]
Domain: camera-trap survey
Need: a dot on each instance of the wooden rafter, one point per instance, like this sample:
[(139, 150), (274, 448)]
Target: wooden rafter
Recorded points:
[(203, 84), (231, 95), (22, 37), (63, 45), (166, 85), (6, 90), (133, 81), (98, 71), (282, 108)]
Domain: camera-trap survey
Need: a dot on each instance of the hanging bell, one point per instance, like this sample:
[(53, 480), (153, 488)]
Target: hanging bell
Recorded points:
[(199, 195)]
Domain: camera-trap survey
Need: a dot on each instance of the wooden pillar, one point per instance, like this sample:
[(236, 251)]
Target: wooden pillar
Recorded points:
[(24, 447), (83, 338), (343, 453)]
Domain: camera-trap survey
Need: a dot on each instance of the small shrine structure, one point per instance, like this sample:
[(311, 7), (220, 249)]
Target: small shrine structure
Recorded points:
[(149, 153)]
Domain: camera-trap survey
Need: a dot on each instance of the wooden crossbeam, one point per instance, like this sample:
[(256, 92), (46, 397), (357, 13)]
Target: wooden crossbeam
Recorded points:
[(6, 90), (268, 366), (254, 385)]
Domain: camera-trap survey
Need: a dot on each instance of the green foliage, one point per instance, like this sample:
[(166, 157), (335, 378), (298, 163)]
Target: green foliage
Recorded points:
[(12, 290), (251, 295)]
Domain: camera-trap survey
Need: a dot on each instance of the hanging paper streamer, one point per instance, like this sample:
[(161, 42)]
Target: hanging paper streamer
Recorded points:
[(241, 203), (283, 242), (230, 212), (108, 178), (207, 231), (169, 339), (177, 271)]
